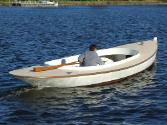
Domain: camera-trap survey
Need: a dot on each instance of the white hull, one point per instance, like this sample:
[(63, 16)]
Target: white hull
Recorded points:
[(73, 76), (88, 80)]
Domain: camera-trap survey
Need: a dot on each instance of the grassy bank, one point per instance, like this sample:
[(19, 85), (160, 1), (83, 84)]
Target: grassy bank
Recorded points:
[(99, 2)]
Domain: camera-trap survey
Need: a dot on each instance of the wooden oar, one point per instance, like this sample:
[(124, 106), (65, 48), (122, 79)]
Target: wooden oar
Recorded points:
[(44, 68)]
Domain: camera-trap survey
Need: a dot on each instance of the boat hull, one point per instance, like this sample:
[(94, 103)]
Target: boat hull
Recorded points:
[(91, 79)]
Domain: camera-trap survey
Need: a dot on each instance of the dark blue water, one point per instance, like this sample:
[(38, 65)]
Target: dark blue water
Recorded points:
[(31, 36)]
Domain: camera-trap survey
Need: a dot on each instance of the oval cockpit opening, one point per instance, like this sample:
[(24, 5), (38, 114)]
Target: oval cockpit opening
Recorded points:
[(117, 57), (118, 54)]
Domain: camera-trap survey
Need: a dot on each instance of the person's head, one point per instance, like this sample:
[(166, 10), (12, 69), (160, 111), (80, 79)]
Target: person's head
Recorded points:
[(92, 47)]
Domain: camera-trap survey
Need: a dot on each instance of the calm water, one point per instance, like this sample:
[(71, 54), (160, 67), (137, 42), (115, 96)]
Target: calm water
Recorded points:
[(30, 36)]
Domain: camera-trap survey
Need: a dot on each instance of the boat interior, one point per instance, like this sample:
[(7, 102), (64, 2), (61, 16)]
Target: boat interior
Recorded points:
[(116, 57), (112, 56)]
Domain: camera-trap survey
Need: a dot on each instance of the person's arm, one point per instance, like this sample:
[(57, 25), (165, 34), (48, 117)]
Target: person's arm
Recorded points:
[(81, 58), (99, 61)]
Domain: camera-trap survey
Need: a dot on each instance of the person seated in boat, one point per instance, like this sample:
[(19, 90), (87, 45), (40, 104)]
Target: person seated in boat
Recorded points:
[(90, 58)]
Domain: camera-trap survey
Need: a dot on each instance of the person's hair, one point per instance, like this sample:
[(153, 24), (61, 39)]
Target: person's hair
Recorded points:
[(92, 47)]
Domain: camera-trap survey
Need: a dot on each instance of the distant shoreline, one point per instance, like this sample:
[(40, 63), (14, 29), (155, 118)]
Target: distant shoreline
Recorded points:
[(100, 3), (105, 3)]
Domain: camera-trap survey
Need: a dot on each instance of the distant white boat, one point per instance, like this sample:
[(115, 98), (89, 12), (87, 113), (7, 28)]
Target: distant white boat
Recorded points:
[(119, 62), (49, 3)]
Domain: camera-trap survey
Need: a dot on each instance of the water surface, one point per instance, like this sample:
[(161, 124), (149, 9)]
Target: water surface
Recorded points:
[(31, 36)]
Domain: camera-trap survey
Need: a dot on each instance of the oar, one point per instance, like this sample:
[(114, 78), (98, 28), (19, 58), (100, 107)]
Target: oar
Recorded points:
[(44, 68)]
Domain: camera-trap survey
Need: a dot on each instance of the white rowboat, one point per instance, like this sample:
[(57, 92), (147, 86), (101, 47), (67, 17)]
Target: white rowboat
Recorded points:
[(119, 62)]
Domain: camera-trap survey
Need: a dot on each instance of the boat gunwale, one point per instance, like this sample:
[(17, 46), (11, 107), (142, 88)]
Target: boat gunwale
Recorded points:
[(88, 74)]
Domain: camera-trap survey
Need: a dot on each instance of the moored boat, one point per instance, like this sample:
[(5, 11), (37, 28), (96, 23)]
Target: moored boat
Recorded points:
[(119, 62)]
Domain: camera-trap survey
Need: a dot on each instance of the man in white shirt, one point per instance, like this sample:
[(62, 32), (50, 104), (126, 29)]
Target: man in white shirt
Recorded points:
[(90, 58)]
